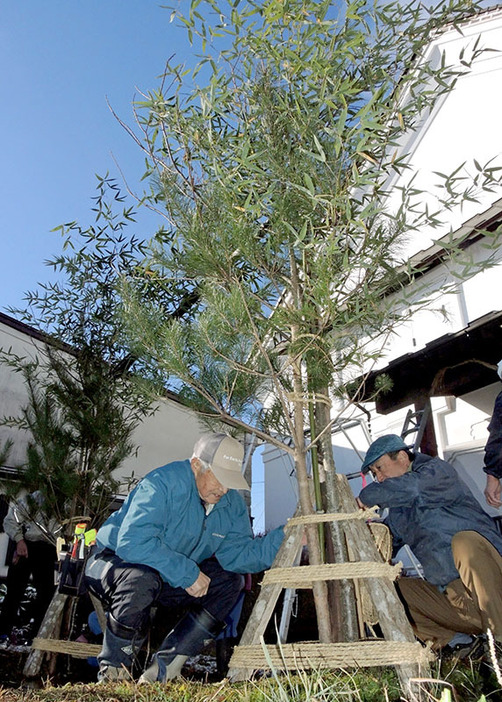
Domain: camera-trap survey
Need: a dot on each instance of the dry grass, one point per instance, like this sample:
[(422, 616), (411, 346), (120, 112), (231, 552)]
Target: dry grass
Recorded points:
[(314, 687), (467, 683)]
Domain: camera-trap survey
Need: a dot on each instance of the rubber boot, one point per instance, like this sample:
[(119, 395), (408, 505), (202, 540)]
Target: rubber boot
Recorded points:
[(120, 644), (185, 640)]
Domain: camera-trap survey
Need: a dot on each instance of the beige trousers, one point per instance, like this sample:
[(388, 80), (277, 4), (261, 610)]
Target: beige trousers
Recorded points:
[(471, 604)]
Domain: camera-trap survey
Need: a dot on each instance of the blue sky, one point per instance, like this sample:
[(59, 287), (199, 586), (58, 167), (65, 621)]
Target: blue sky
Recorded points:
[(61, 60)]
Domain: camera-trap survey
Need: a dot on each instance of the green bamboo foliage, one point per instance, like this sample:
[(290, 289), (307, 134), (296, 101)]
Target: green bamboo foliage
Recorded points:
[(271, 157)]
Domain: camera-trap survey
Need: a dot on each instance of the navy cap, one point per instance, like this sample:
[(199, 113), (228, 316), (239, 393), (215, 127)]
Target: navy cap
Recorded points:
[(381, 446)]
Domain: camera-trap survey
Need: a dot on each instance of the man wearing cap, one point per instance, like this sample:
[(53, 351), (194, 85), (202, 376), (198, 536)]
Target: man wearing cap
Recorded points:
[(433, 511), (493, 452), (182, 538)]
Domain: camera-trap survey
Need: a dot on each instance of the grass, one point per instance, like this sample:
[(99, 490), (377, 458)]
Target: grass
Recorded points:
[(466, 683), (307, 688)]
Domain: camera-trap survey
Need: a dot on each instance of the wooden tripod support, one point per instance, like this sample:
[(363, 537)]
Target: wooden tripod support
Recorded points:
[(398, 648)]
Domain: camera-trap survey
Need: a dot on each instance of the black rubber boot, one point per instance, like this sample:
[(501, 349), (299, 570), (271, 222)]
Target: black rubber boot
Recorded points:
[(120, 645), (185, 640)]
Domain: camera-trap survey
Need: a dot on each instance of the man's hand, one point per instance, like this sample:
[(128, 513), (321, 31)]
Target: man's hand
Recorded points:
[(200, 587), (22, 549), (20, 552), (492, 491)]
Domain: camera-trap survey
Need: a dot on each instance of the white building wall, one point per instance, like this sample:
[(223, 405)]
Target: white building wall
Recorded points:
[(168, 435), (13, 393), (449, 312), (465, 125), (280, 493)]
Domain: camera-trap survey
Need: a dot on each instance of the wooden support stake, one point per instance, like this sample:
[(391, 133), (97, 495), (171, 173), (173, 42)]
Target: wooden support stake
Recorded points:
[(267, 599), (47, 630), (391, 615), (392, 618)]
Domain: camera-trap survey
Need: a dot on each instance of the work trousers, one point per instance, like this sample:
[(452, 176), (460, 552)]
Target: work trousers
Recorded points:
[(39, 565), (128, 591), (470, 604)]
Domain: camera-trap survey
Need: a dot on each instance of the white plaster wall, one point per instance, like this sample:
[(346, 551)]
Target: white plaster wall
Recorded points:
[(464, 126), (168, 435), (13, 393), (483, 293), (448, 312), (468, 464), (463, 421), (280, 492)]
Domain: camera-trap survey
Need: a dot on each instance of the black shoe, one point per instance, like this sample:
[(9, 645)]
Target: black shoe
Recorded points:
[(473, 650)]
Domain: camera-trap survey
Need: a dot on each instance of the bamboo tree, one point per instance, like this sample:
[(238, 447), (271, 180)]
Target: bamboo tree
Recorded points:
[(271, 157)]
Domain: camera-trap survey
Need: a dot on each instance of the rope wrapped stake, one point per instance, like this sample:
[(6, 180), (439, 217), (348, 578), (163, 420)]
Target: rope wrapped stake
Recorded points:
[(307, 655), (370, 513), (299, 577)]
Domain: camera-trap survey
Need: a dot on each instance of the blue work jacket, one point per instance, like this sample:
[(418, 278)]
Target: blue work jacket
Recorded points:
[(163, 524), (428, 505)]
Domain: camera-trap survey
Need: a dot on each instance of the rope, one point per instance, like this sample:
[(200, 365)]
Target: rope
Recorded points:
[(303, 576), (333, 517), (72, 648), (309, 397), (383, 539), (360, 654)]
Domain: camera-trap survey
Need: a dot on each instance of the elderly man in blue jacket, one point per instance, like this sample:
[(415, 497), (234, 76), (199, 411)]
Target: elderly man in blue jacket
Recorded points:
[(182, 537), (457, 543)]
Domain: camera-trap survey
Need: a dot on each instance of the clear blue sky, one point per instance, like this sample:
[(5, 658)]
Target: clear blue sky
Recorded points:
[(61, 60)]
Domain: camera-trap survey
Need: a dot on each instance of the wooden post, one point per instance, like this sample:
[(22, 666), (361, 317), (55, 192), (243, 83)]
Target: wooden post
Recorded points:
[(47, 630), (392, 617), (267, 599)]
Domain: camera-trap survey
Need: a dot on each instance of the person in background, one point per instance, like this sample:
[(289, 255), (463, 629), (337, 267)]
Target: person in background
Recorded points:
[(34, 556), (456, 541), (182, 538), (4, 508), (493, 452)]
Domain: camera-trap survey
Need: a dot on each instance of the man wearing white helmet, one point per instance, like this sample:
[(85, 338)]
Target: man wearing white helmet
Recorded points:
[(493, 452), (182, 538)]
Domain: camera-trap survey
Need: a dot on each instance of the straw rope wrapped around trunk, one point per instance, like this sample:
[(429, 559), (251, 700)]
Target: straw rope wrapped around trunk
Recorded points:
[(76, 649), (308, 655), (303, 576)]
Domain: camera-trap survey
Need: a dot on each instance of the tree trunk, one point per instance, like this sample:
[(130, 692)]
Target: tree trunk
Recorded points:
[(319, 589), (346, 616)]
